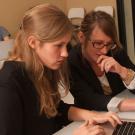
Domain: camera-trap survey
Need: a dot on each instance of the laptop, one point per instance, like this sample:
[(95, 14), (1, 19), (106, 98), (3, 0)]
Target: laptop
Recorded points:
[(128, 126)]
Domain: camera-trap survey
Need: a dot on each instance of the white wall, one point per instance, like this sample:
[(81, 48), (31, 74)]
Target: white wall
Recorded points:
[(129, 30)]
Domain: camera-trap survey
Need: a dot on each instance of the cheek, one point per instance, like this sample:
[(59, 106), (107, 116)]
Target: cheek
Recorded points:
[(43, 55), (92, 54)]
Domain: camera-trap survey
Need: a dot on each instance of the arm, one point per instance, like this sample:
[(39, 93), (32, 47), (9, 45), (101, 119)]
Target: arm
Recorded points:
[(77, 114), (120, 64), (127, 105), (94, 117)]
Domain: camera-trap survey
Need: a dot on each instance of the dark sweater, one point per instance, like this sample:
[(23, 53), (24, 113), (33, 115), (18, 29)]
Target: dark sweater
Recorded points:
[(19, 105), (85, 86)]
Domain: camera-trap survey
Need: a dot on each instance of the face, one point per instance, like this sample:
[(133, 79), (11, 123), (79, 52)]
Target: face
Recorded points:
[(53, 54), (93, 53)]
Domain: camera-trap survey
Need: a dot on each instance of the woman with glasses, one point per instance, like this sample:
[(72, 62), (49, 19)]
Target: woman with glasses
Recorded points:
[(100, 68)]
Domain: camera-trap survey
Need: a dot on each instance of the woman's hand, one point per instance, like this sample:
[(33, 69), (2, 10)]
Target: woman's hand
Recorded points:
[(109, 64), (94, 117), (103, 117), (89, 129)]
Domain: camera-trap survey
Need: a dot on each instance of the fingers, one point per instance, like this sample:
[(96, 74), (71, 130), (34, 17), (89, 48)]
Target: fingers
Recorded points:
[(107, 63), (100, 58), (110, 117), (88, 129), (92, 122), (86, 123), (96, 130), (104, 63), (113, 119)]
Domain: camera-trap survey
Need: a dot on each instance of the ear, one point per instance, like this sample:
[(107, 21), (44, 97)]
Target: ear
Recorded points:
[(32, 41), (81, 37)]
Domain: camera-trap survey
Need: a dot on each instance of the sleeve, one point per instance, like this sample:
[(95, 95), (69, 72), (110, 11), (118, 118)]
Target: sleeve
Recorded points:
[(63, 113), (10, 110), (131, 86), (113, 104), (85, 95), (125, 61)]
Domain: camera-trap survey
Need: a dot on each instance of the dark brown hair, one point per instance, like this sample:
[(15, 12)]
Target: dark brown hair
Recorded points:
[(104, 21)]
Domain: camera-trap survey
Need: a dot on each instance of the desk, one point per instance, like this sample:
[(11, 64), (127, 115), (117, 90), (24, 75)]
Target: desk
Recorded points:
[(68, 130), (126, 116)]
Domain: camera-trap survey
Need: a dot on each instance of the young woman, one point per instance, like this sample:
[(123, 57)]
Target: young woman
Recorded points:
[(100, 68), (30, 102)]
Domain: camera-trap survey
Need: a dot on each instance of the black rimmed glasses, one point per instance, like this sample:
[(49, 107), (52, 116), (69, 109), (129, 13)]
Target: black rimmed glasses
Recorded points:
[(99, 44)]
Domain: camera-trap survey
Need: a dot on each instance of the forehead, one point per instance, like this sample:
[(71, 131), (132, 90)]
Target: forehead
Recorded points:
[(98, 34), (64, 39)]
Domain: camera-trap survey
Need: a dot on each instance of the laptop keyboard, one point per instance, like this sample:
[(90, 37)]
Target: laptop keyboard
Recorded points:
[(127, 128)]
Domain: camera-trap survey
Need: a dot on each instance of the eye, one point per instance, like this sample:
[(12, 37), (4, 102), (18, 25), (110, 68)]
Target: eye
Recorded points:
[(59, 45), (98, 43)]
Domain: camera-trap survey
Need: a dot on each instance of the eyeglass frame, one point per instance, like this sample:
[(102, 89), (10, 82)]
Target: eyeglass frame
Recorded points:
[(111, 45)]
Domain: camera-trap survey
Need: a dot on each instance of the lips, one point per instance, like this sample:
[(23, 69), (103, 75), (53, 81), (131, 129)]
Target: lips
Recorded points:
[(60, 61)]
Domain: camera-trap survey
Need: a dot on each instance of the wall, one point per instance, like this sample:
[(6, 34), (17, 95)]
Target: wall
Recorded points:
[(11, 11), (129, 29), (90, 4)]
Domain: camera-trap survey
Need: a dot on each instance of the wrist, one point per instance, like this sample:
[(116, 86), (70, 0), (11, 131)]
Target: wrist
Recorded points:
[(90, 115), (123, 73), (128, 76)]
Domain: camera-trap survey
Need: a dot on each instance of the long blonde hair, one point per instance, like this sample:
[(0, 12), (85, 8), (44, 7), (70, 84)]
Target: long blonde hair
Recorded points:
[(47, 23)]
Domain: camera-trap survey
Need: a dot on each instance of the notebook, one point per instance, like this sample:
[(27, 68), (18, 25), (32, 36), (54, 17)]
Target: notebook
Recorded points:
[(128, 126)]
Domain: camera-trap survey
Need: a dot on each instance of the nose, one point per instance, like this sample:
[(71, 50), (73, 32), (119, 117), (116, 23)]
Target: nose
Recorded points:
[(64, 52), (104, 50)]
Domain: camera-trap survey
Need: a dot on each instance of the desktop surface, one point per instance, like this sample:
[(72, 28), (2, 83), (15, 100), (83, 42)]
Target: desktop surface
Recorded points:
[(125, 116), (68, 130)]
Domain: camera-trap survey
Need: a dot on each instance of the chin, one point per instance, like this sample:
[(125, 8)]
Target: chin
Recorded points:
[(55, 67)]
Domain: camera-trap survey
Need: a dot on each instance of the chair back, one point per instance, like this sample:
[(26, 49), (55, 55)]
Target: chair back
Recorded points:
[(107, 9), (76, 13)]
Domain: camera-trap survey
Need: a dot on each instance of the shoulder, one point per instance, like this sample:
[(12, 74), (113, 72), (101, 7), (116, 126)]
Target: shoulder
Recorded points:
[(119, 54), (75, 54), (122, 57), (10, 70)]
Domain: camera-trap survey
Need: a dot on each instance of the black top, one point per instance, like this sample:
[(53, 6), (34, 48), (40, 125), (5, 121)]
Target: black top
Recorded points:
[(85, 86), (19, 105)]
